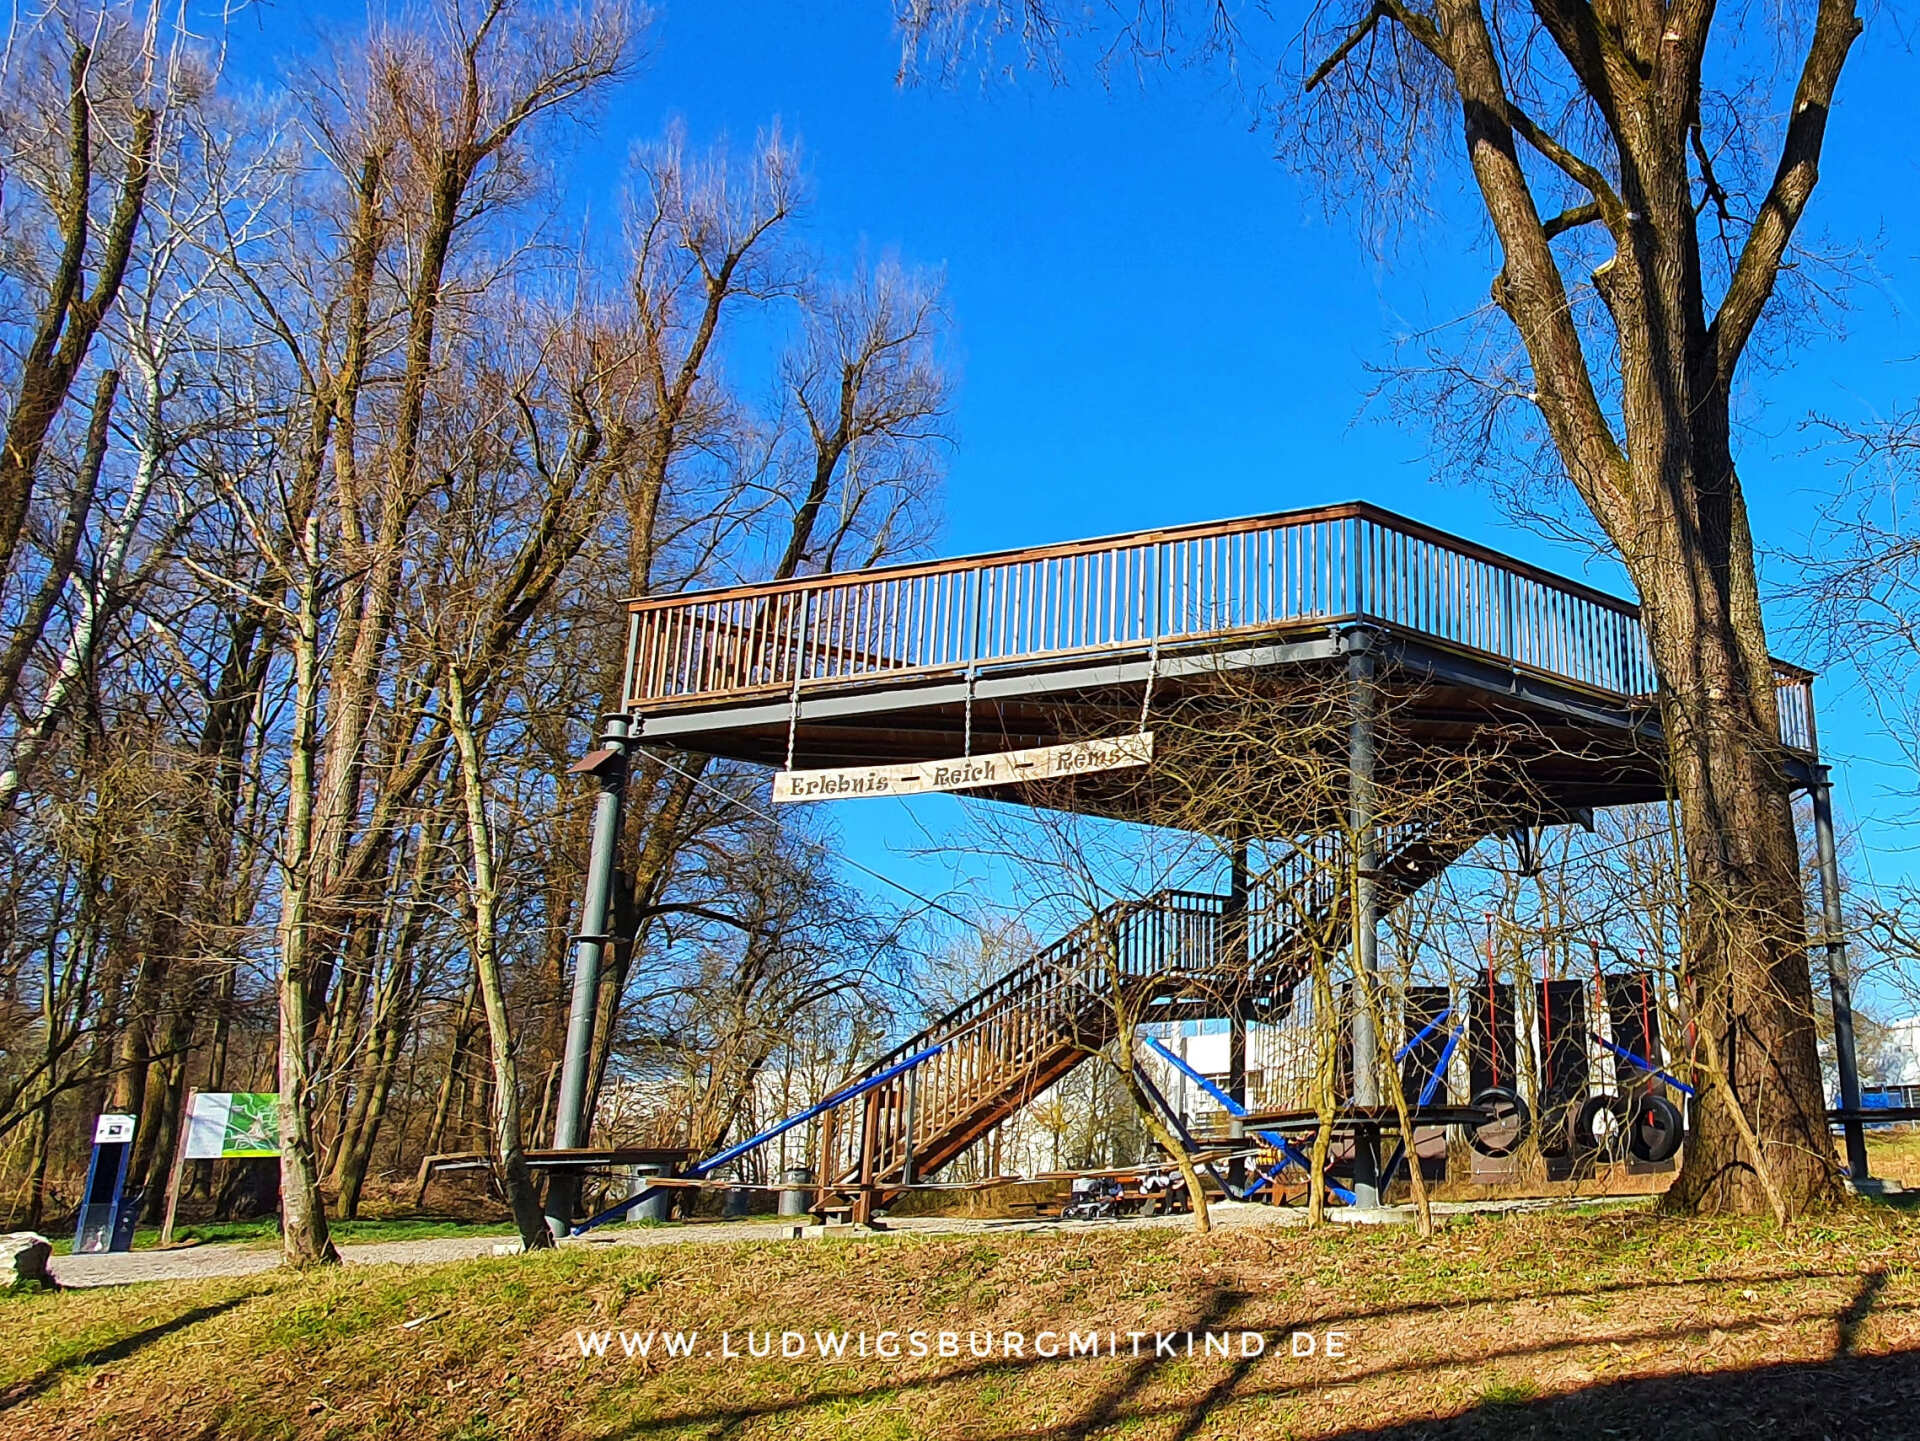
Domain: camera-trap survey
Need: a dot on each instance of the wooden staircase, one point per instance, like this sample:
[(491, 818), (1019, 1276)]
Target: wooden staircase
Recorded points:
[(1174, 955)]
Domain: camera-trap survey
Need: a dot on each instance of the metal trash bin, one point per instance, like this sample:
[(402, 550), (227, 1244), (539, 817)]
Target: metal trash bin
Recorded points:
[(796, 1197), (657, 1206), (738, 1204)]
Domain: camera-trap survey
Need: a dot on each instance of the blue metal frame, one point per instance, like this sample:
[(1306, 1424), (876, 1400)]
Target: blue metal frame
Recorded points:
[(1233, 1108), (1421, 1035), (1186, 1136), (114, 1203), (734, 1153), (1426, 1091), (1648, 1066)]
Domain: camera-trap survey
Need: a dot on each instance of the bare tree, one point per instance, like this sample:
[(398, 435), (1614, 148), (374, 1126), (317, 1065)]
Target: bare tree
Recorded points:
[(421, 135), (849, 484), (346, 419), (87, 158), (1614, 143)]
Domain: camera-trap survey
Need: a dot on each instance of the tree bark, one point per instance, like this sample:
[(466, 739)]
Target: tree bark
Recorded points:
[(527, 1214), (71, 315), (1669, 497), (304, 1238), (32, 624)]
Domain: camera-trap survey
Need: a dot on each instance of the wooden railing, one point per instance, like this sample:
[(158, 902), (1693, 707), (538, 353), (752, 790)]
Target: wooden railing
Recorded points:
[(1126, 595), (1005, 1044), (1000, 1046), (1793, 692)]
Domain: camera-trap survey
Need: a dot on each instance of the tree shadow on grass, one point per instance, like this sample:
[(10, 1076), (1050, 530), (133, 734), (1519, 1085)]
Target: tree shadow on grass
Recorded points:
[(125, 1347), (1839, 1399), (1845, 1397)]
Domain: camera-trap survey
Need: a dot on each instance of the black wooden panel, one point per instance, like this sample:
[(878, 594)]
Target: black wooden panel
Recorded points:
[(1563, 1060), (1490, 1035), (1633, 1013)]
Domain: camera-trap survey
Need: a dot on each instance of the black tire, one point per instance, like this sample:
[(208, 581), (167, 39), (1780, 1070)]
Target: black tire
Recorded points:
[(1655, 1130), (1505, 1105), (1610, 1145)]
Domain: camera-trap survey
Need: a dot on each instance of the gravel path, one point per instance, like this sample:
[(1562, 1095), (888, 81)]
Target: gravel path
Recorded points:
[(196, 1263)]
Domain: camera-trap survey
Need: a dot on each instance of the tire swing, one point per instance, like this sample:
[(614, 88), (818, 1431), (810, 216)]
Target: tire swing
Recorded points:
[(1602, 1126), (1648, 1128), (1655, 1130), (1508, 1111), (1510, 1122)]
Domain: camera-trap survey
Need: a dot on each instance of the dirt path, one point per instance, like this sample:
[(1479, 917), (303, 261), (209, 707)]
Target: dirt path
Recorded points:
[(194, 1263)]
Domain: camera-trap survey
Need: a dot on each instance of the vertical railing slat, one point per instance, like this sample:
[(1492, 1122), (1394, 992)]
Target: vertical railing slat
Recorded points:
[(1125, 594)]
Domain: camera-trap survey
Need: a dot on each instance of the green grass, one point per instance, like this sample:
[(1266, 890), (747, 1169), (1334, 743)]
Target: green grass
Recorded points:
[(1507, 1327), (1895, 1154), (1505, 1392), (206, 1233), (267, 1233)]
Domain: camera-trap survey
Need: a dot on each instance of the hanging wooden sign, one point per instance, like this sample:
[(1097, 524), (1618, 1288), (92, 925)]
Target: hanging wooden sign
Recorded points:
[(1003, 768)]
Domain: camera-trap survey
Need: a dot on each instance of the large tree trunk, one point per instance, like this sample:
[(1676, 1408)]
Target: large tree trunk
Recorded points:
[(1744, 954), (1665, 490), (304, 1240)]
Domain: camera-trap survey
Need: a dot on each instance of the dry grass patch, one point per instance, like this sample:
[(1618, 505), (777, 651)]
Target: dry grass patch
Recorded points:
[(1894, 1155), (1521, 1326)]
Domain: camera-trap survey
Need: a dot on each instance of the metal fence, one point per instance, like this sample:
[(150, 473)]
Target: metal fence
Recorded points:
[(1125, 595)]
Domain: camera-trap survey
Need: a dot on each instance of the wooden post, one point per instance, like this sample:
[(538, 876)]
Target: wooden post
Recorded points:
[(912, 1104), (827, 1124), (179, 1166), (863, 1202)]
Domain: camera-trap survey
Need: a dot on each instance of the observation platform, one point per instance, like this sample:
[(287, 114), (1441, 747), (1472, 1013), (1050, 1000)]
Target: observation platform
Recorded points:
[(1472, 652)]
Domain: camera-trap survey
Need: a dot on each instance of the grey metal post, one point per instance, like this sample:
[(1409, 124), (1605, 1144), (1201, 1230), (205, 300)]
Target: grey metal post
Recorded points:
[(609, 763), (1366, 938), (1833, 926), (1235, 934)]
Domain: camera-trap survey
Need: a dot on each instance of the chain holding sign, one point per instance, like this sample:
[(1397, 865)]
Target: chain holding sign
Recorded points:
[(1003, 768)]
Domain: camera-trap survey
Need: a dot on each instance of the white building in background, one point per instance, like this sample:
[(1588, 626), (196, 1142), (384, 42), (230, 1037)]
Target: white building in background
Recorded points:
[(1897, 1066), (1280, 1064)]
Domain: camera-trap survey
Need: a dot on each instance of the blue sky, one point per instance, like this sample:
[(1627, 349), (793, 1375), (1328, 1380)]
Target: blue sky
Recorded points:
[(1154, 321)]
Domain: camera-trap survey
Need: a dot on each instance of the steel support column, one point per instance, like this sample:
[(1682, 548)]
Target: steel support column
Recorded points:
[(1833, 928), (609, 764), (1362, 836)]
